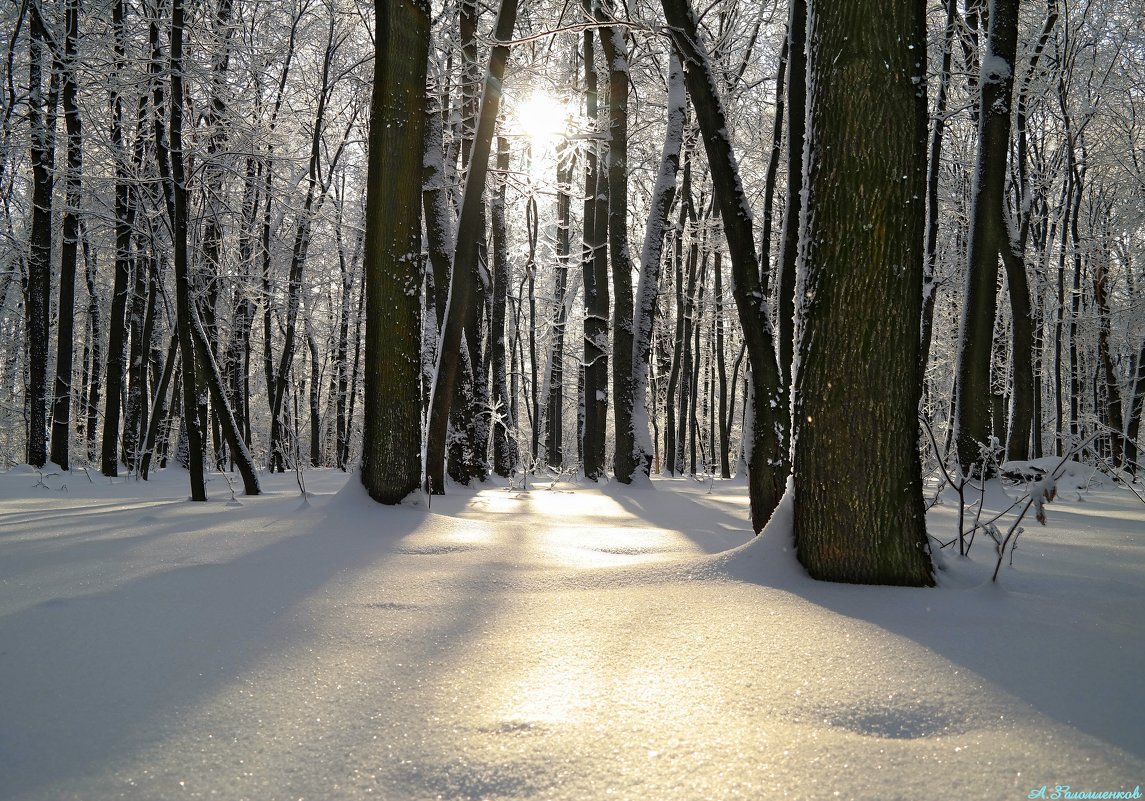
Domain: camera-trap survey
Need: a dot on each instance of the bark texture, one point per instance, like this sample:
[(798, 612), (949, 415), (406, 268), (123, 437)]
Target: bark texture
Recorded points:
[(859, 513), (391, 447)]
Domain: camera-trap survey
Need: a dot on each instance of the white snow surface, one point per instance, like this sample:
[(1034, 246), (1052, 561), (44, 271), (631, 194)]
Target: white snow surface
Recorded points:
[(575, 643)]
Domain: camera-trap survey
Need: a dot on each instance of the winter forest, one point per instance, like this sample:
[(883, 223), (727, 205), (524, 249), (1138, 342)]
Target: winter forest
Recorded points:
[(650, 239), (501, 400)]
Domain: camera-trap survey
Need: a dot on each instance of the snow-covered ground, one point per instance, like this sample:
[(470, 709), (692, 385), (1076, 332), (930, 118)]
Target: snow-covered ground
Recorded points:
[(574, 643)]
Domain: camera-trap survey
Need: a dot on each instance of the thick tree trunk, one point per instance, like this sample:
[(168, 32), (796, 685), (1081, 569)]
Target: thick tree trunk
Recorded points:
[(857, 391), (391, 447), (468, 419)]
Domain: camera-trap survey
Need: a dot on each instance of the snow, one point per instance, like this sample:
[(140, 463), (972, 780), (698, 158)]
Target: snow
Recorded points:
[(581, 642), (995, 68)]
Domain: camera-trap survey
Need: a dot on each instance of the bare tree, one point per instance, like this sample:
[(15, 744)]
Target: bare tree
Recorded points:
[(469, 227), (767, 460)]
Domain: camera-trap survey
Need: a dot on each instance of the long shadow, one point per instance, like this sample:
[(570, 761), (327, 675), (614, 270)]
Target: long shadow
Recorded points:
[(85, 680), (711, 528), (1068, 665), (96, 537)]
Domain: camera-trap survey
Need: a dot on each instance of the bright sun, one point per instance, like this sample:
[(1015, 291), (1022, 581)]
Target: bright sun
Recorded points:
[(542, 117)]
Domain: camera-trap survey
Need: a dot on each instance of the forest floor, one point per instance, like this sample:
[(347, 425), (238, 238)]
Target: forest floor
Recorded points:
[(574, 642)]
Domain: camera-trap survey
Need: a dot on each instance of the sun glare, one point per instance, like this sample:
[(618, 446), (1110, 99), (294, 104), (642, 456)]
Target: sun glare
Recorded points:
[(542, 117)]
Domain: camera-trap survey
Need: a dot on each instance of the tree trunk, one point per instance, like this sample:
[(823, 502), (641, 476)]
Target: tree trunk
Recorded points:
[(435, 205), (722, 370), (554, 415), (37, 304), (213, 379), (858, 510), (315, 396), (465, 263), (687, 352), (125, 211), (1024, 430), (595, 287), (1136, 406), (210, 273), (355, 370), (95, 331), (933, 171), (504, 437), (767, 459), (391, 447), (770, 176), (796, 134), (158, 418), (533, 225), (65, 334), (1020, 431), (1110, 406), (670, 462), (663, 195), (238, 359), (1075, 378), (142, 328), (625, 457), (988, 235), (196, 436), (696, 318)]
